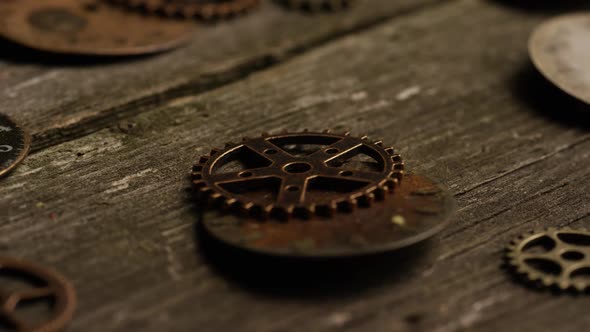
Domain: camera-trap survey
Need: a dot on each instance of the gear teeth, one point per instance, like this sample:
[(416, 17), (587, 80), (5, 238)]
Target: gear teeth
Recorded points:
[(538, 276), (365, 197), (318, 5), (187, 10)]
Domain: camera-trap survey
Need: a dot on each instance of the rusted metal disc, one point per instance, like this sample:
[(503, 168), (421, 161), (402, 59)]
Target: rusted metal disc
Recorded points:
[(48, 285), (560, 48), (88, 27), (418, 209), (14, 144)]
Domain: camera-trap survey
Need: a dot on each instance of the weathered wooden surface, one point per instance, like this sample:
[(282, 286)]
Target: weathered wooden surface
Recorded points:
[(449, 85), (64, 97)]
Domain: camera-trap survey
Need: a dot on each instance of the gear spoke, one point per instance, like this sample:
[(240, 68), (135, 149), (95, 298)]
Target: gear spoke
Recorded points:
[(337, 149), (352, 174), (243, 175), (35, 293), (268, 150), (292, 191), (546, 256)]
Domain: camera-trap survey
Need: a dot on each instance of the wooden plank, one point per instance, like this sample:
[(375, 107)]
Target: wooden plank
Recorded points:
[(60, 97), (113, 210)]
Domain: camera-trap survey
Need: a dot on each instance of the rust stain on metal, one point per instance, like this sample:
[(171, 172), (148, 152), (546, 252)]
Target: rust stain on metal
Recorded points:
[(88, 27), (53, 287)]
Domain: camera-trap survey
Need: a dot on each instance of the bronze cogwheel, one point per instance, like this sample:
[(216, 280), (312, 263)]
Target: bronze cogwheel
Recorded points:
[(88, 27), (317, 5), (298, 174), (15, 143), (51, 285), (558, 258), (204, 9)]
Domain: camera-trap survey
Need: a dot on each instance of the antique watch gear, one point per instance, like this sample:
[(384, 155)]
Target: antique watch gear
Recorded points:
[(317, 5), (205, 9), (557, 258), (298, 174), (15, 143), (88, 27), (48, 284)]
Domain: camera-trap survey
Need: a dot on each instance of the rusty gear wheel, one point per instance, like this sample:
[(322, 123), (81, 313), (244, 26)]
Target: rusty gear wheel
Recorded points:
[(51, 285), (557, 258), (317, 5), (297, 174), (204, 9)]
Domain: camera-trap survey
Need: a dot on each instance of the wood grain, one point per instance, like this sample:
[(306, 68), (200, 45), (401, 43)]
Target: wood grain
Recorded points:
[(62, 97), (450, 86)]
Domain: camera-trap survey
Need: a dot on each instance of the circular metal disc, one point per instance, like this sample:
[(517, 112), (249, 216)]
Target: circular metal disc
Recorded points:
[(418, 209), (560, 48), (14, 144), (88, 27), (52, 286)]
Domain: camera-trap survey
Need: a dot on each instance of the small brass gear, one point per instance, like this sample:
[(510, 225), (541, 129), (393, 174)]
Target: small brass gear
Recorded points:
[(557, 258), (317, 5), (204, 9), (297, 174)]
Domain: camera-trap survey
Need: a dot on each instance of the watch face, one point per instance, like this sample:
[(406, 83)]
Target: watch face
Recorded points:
[(560, 50), (14, 144)]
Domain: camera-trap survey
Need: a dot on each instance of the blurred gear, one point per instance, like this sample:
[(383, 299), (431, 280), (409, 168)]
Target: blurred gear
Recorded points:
[(317, 5), (48, 285), (553, 258), (15, 143), (88, 27), (204, 9), (298, 174)]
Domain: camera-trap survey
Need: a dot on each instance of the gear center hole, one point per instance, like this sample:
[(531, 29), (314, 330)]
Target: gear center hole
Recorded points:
[(297, 167), (573, 256)]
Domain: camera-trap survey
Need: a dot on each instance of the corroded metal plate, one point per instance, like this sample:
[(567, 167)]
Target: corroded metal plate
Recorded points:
[(14, 144), (417, 210), (88, 27), (560, 48), (48, 284)]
